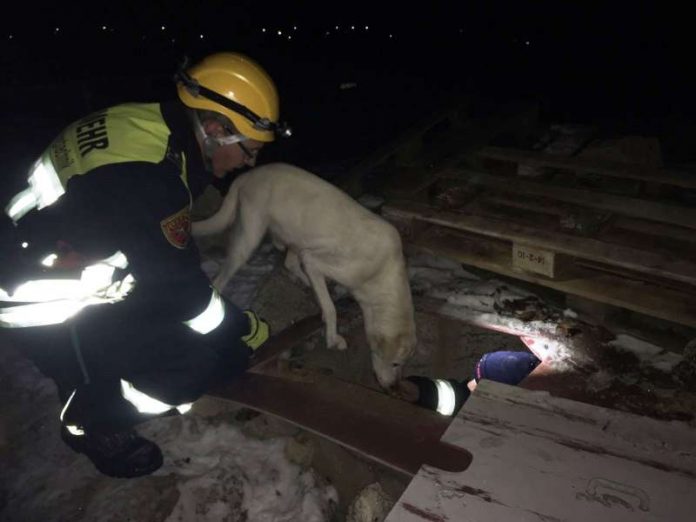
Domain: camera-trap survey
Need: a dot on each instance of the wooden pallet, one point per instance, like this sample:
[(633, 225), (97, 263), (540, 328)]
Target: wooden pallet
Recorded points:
[(439, 141), (577, 229)]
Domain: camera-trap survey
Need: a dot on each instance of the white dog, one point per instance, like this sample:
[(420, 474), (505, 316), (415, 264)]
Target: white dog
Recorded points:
[(327, 234)]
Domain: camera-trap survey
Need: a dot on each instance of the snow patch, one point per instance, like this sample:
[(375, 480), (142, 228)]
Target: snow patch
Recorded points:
[(647, 353), (223, 473)]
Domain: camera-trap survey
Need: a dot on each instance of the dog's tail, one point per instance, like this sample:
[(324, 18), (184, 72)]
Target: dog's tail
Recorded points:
[(223, 218)]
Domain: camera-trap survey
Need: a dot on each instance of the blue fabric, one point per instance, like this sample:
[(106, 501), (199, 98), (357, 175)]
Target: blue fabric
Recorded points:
[(506, 367)]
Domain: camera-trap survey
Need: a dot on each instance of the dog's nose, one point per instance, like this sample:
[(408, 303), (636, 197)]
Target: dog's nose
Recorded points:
[(387, 381)]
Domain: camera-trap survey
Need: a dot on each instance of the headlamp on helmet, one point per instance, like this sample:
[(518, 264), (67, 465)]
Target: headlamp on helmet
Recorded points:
[(238, 88)]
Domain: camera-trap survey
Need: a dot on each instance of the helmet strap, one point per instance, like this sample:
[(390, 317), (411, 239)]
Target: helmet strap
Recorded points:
[(210, 143), (196, 89)]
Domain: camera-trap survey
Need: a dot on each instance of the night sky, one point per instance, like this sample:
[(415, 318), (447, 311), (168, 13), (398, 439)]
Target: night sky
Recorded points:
[(591, 61)]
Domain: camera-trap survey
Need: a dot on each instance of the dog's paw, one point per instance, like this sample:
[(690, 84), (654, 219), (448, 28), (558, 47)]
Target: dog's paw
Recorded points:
[(337, 343)]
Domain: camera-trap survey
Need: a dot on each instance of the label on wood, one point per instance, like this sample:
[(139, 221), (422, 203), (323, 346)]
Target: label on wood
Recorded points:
[(533, 259)]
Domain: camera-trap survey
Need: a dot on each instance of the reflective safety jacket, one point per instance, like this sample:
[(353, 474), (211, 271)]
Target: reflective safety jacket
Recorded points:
[(116, 187)]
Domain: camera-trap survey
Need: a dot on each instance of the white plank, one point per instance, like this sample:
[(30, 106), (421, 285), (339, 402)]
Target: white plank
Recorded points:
[(541, 458)]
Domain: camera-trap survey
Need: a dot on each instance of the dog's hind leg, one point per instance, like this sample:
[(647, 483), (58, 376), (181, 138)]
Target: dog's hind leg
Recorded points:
[(245, 236), (292, 263), (328, 310)]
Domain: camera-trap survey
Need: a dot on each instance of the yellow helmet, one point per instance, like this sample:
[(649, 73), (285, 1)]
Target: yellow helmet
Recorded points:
[(237, 87)]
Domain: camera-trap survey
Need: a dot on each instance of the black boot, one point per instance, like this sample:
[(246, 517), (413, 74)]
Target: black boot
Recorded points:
[(122, 454)]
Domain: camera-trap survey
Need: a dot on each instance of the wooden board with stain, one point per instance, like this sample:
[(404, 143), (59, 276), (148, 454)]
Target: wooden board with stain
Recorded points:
[(542, 458)]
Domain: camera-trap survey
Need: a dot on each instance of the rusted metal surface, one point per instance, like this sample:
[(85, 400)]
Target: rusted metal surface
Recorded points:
[(387, 430), (380, 427)]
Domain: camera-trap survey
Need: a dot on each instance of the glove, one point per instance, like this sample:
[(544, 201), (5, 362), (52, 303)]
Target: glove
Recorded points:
[(259, 331)]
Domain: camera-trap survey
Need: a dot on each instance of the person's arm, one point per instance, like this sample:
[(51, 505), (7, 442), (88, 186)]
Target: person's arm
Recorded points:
[(139, 209)]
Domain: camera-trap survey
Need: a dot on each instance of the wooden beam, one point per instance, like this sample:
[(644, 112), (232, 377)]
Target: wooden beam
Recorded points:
[(543, 206), (641, 208), (656, 229), (592, 166), (352, 184), (641, 261), (493, 255), (463, 139)]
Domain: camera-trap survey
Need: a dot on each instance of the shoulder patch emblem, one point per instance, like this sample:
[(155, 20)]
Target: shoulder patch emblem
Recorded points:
[(177, 228)]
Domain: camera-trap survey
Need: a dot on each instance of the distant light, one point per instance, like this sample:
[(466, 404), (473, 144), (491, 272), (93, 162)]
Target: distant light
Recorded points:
[(173, 40), (352, 27), (201, 36), (103, 28), (25, 244), (57, 29), (391, 36), (163, 27), (526, 43), (294, 28), (337, 28), (263, 29), (289, 37), (327, 33), (367, 27), (11, 36), (280, 33)]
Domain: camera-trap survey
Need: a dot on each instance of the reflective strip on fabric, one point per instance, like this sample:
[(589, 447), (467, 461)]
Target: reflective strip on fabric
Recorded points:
[(95, 281), (211, 317), (21, 204), (44, 189), (49, 260), (39, 314), (72, 429), (75, 430), (59, 311), (53, 301), (45, 290), (120, 134), (184, 408), (446, 397), (118, 260), (146, 404), (67, 404)]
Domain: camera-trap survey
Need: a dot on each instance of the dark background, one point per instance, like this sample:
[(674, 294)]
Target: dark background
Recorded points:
[(623, 65)]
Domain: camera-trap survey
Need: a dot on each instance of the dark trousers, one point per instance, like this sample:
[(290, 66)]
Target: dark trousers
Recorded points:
[(91, 353)]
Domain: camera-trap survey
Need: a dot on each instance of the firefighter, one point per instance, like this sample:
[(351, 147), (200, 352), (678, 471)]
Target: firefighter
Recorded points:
[(100, 280)]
